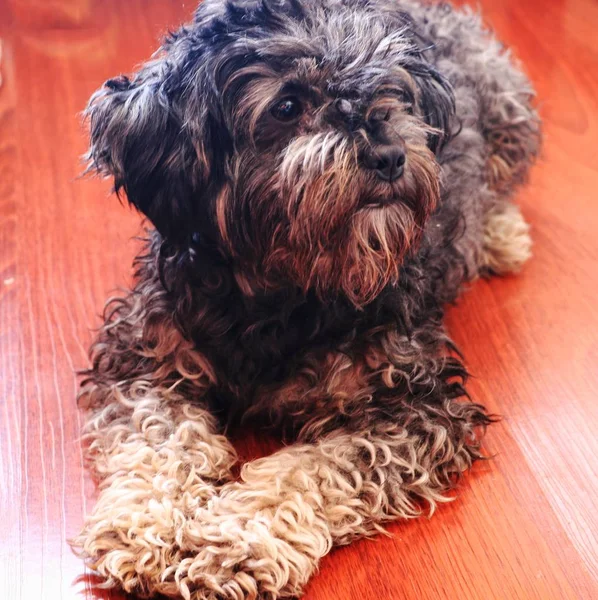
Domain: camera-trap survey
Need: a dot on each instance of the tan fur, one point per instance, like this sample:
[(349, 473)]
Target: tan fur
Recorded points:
[(507, 242), (160, 461), (153, 532)]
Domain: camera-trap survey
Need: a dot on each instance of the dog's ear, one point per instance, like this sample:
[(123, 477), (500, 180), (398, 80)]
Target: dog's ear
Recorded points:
[(139, 136), (436, 99), (437, 104)]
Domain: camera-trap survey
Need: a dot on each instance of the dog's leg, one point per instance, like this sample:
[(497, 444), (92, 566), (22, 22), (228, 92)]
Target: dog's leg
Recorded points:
[(505, 116), (264, 536), (510, 132), (160, 460), (151, 444), (387, 451), (511, 128), (510, 124)]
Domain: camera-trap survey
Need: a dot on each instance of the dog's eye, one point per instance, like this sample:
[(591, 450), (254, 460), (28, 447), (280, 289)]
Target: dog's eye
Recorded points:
[(379, 114), (287, 109), (408, 100)]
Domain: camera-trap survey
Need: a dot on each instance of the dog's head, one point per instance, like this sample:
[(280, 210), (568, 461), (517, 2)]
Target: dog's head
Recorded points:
[(295, 138)]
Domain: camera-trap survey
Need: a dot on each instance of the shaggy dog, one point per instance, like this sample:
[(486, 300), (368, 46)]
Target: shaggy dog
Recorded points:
[(323, 176)]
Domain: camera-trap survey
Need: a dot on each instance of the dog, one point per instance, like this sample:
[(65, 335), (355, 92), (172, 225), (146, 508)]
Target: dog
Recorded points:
[(322, 177)]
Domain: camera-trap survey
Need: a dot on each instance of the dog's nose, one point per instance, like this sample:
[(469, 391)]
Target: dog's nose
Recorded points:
[(387, 161)]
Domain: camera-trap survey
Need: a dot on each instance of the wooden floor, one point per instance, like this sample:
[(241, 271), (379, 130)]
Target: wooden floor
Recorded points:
[(525, 524)]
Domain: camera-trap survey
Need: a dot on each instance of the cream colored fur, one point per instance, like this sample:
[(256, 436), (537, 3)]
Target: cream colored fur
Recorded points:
[(507, 242)]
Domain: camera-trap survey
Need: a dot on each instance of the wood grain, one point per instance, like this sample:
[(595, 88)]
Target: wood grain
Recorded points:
[(524, 525)]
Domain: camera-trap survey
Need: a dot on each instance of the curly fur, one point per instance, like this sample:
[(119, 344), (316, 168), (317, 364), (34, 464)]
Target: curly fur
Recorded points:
[(286, 282)]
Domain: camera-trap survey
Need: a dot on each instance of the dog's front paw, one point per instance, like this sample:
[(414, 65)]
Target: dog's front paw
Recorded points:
[(135, 538), (239, 545), (250, 542)]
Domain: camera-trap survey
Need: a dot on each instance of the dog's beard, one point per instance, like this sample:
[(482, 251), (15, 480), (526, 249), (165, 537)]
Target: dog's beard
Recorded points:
[(320, 222), (345, 231)]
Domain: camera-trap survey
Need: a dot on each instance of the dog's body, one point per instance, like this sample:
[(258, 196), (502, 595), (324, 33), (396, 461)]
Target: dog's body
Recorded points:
[(323, 177)]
